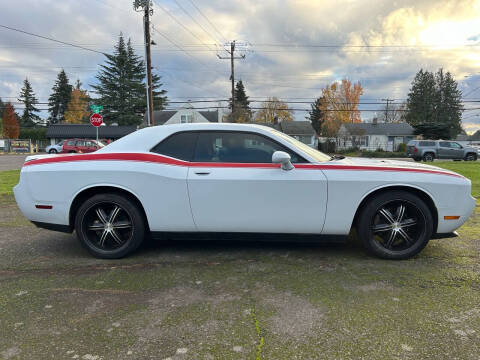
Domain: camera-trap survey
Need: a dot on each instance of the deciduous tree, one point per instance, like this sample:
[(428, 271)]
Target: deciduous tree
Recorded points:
[(340, 105), (77, 109), (27, 98), (10, 122), (272, 109)]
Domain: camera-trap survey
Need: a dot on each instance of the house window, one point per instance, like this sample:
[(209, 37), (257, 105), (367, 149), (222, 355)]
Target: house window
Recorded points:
[(186, 118), (304, 139)]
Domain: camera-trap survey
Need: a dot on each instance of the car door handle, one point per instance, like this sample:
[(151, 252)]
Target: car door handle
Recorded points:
[(202, 173)]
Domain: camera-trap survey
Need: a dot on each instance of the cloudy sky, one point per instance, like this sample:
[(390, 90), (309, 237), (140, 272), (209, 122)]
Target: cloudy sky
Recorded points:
[(294, 48)]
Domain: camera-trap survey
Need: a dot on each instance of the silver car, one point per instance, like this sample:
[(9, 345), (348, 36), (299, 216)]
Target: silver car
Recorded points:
[(54, 149)]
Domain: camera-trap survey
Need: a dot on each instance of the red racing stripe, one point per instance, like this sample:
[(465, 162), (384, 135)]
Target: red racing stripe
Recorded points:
[(154, 158)]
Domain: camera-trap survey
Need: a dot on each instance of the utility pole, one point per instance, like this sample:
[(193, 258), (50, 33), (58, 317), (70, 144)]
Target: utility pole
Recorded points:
[(386, 109), (146, 7), (232, 64)]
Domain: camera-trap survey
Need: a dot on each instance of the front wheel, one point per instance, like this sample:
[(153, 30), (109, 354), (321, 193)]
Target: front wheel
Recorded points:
[(110, 226), (52, 151), (395, 225), (471, 157)]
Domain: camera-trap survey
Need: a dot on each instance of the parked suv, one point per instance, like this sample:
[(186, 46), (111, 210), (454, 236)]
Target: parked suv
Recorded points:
[(81, 146), (427, 150)]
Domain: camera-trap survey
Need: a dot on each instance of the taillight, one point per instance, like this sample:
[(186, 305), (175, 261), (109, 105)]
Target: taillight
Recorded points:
[(415, 149)]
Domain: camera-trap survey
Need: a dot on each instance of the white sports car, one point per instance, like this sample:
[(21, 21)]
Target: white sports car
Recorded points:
[(233, 179)]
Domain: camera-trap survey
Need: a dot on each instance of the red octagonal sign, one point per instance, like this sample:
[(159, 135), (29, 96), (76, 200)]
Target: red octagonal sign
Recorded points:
[(96, 120)]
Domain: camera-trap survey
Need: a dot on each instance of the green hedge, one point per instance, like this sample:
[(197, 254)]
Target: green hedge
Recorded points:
[(33, 133)]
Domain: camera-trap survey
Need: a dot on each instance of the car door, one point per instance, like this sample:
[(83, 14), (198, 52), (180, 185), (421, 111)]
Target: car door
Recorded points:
[(234, 187), (457, 150), (444, 150)]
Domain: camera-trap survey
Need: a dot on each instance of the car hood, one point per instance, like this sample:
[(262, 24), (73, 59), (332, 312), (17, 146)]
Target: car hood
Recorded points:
[(387, 163)]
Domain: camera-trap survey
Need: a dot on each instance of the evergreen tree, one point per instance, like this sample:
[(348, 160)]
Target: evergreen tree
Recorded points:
[(121, 86), (243, 113), (316, 115), (434, 105), (449, 103), (60, 97), (27, 97)]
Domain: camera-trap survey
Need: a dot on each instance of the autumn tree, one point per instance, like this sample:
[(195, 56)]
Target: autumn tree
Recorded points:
[(11, 129), (77, 108), (274, 108), (340, 105), (27, 97)]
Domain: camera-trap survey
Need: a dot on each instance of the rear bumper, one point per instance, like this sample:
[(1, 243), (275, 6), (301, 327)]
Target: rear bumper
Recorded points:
[(53, 227)]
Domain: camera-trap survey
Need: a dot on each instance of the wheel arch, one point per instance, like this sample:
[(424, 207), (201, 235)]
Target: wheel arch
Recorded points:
[(90, 191), (421, 193)]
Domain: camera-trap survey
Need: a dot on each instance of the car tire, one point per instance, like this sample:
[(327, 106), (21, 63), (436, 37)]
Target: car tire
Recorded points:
[(389, 232), (428, 157), (52, 151), (417, 159), (110, 226), (72, 152), (471, 157)]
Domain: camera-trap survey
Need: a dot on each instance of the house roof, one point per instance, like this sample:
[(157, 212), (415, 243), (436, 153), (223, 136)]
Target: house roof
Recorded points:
[(68, 131), (297, 128), (291, 127), (392, 129), (475, 136), (160, 117)]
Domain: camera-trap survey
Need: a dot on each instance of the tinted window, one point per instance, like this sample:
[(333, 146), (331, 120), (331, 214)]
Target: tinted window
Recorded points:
[(445, 144), (81, 143), (455, 145), (238, 147), (71, 143), (179, 146), (427, 143)]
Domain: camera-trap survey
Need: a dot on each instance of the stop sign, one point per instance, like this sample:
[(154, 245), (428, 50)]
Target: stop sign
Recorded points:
[(96, 120)]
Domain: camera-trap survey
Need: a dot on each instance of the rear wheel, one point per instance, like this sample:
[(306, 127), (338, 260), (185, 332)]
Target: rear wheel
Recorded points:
[(471, 157), (110, 226), (72, 152), (395, 225), (428, 157), (417, 159)]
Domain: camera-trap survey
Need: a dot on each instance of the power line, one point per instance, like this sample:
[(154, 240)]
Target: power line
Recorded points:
[(195, 21), (181, 24), (206, 18), (51, 39)]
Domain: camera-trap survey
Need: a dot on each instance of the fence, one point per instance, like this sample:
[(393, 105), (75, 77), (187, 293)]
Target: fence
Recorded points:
[(16, 146)]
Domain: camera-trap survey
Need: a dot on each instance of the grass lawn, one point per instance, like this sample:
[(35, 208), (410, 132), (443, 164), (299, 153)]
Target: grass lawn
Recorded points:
[(8, 179)]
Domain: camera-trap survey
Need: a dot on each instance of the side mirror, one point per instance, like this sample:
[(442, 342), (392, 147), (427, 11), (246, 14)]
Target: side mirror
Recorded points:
[(281, 157)]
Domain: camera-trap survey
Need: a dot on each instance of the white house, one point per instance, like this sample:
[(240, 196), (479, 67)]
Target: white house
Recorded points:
[(373, 136)]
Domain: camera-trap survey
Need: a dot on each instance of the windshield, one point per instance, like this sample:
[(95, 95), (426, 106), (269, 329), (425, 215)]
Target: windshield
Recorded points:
[(317, 155)]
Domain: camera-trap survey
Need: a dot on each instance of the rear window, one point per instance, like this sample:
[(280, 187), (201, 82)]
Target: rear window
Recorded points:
[(427, 143), (179, 146)]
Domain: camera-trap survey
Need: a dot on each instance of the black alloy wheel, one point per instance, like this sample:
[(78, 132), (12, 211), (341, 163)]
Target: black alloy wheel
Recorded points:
[(395, 225), (110, 226)]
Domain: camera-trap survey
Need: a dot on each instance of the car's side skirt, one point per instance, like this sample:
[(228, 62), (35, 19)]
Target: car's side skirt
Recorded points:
[(54, 227), (242, 236)]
